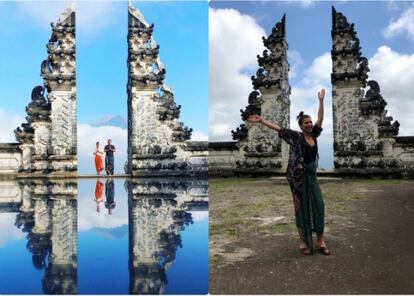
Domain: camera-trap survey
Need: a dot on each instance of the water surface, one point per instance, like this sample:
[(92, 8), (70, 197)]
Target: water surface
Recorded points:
[(104, 236)]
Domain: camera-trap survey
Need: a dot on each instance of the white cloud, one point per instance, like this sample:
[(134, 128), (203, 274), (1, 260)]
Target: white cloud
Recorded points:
[(403, 25), (89, 135), (295, 61), (198, 136), (89, 217), (307, 3), (199, 216), (9, 122), (395, 74), (393, 5), (91, 16), (229, 84), (303, 3), (320, 70)]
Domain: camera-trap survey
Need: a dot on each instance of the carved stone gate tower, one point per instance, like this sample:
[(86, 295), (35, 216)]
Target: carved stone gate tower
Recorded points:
[(156, 139), (365, 138), (48, 141), (257, 148)]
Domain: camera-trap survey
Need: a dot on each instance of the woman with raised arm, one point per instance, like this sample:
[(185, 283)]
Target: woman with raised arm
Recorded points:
[(301, 175)]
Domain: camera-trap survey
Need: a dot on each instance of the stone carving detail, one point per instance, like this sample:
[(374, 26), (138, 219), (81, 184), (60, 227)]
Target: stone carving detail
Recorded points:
[(269, 99), (181, 133), (37, 110), (278, 34), (59, 67), (240, 133), (361, 127), (373, 103), (167, 109), (254, 106)]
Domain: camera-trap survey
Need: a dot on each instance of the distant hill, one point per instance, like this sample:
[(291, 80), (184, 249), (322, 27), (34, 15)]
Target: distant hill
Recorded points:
[(117, 232), (113, 120)]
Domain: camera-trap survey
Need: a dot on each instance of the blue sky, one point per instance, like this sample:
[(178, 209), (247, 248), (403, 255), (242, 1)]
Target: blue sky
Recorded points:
[(181, 30), (385, 30)]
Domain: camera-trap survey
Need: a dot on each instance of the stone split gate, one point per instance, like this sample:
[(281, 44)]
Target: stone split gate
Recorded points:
[(365, 138), (157, 142)]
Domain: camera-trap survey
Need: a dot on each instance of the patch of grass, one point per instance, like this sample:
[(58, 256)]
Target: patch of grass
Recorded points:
[(232, 231), (214, 259), (338, 207), (280, 229), (220, 183)]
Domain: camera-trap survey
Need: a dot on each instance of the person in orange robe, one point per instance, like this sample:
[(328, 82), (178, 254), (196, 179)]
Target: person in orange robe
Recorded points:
[(98, 159), (98, 194)]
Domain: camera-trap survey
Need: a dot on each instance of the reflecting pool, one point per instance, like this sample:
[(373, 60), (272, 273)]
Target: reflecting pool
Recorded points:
[(104, 236)]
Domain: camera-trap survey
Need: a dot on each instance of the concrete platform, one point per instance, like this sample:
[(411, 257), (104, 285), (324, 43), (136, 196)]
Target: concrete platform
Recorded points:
[(104, 176), (321, 179)]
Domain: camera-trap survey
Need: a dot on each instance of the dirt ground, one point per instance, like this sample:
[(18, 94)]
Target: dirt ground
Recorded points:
[(254, 246)]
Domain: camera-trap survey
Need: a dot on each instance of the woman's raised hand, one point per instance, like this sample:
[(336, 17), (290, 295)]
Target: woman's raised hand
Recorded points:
[(321, 94), (254, 118)]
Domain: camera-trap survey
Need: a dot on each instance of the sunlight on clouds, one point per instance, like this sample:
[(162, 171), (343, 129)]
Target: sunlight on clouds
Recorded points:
[(8, 122), (199, 215), (295, 61), (395, 74), (303, 3), (91, 16), (403, 25), (198, 136), (102, 219), (9, 232)]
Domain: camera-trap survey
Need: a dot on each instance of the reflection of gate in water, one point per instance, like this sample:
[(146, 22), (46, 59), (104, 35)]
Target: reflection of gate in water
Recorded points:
[(157, 211), (47, 212)]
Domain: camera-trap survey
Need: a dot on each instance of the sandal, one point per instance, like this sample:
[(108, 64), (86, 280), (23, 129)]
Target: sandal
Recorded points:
[(324, 250), (302, 247), (306, 251)]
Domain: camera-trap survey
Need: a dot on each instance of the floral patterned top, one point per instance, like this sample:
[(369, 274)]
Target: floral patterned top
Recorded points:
[(296, 164)]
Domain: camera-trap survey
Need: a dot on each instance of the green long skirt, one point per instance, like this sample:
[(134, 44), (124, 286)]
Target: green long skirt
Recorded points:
[(310, 216)]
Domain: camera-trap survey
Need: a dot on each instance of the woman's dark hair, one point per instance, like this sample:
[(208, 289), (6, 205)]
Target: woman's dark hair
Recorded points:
[(301, 117), (97, 143)]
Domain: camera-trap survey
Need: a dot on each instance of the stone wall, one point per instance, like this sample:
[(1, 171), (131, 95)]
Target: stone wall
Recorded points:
[(222, 158), (10, 158)]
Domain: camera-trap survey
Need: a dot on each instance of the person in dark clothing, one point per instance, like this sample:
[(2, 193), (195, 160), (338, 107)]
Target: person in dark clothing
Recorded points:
[(110, 195), (109, 158), (301, 175)]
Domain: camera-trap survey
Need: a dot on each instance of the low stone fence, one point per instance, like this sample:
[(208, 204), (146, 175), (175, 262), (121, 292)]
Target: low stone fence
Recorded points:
[(10, 158)]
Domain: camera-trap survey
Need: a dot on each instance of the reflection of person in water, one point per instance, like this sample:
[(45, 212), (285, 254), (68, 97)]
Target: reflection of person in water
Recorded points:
[(98, 194), (110, 195)]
